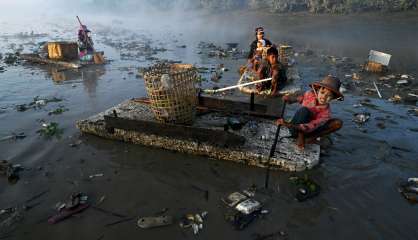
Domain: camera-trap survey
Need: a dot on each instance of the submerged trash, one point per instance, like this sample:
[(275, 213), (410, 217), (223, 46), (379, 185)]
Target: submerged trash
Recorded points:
[(58, 110), (10, 171), (242, 209), (194, 221), (361, 118), (151, 222), (305, 188), (96, 175), (395, 99), (234, 123), (76, 143), (38, 102), (13, 136), (76, 203), (409, 190), (234, 198), (50, 130)]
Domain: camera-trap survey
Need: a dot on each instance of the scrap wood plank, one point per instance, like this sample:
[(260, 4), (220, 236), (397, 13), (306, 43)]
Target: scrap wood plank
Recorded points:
[(224, 104), (212, 136)]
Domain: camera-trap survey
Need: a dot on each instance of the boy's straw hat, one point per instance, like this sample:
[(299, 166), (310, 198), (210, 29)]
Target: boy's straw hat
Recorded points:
[(331, 83)]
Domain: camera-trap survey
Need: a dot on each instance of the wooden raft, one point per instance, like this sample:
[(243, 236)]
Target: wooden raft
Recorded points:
[(132, 121)]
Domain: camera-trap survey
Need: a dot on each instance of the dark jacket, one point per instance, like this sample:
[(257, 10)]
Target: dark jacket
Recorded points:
[(253, 47)]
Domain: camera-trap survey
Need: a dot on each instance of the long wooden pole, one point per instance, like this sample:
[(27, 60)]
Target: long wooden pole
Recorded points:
[(235, 86), (85, 34), (273, 149)]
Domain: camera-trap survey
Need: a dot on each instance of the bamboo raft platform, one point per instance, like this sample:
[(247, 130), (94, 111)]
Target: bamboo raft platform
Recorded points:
[(133, 121)]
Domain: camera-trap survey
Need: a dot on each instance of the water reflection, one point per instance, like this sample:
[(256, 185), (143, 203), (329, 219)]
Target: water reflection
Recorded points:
[(88, 76)]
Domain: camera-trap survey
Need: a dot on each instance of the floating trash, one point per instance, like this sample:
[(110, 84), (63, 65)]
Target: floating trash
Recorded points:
[(50, 130), (194, 221), (305, 188), (361, 118), (151, 222), (57, 111), (402, 82), (409, 190)]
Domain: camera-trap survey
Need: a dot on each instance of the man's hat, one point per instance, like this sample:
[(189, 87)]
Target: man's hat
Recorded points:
[(331, 83)]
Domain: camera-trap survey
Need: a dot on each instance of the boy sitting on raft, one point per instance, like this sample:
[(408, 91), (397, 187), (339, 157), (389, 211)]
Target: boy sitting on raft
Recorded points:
[(313, 119), (272, 68)]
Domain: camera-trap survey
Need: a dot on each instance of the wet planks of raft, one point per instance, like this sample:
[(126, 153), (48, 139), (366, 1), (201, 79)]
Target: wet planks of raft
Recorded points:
[(132, 121)]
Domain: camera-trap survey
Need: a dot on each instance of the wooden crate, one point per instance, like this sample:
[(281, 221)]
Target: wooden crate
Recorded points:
[(63, 50), (375, 67)]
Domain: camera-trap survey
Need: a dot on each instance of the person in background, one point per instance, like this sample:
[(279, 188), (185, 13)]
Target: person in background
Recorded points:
[(259, 33), (85, 43), (314, 119)]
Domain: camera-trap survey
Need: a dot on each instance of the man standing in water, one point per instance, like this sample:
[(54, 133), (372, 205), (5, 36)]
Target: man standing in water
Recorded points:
[(259, 33)]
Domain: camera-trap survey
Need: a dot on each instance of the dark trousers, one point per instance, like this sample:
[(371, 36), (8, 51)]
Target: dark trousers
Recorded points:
[(304, 115)]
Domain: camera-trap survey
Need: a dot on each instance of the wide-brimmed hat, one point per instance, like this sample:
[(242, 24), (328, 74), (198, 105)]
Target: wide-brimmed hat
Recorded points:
[(331, 83)]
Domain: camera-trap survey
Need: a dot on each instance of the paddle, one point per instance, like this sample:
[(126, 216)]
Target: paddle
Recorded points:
[(273, 148)]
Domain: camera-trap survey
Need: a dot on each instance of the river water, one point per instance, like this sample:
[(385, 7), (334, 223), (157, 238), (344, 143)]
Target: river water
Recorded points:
[(358, 173)]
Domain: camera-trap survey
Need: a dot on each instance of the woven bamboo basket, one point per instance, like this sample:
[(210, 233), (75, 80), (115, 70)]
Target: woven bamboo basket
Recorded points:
[(172, 92), (284, 53)]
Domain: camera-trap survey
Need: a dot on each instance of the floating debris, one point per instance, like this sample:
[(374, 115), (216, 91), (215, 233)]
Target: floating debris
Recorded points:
[(14, 136), (402, 82), (395, 98), (356, 76), (305, 188), (409, 190), (361, 118), (152, 222), (76, 143), (38, 102), (50, 130), (194, 221), (58, 110), (96, 175), (76, 203), (10, 171), (242, 208)]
